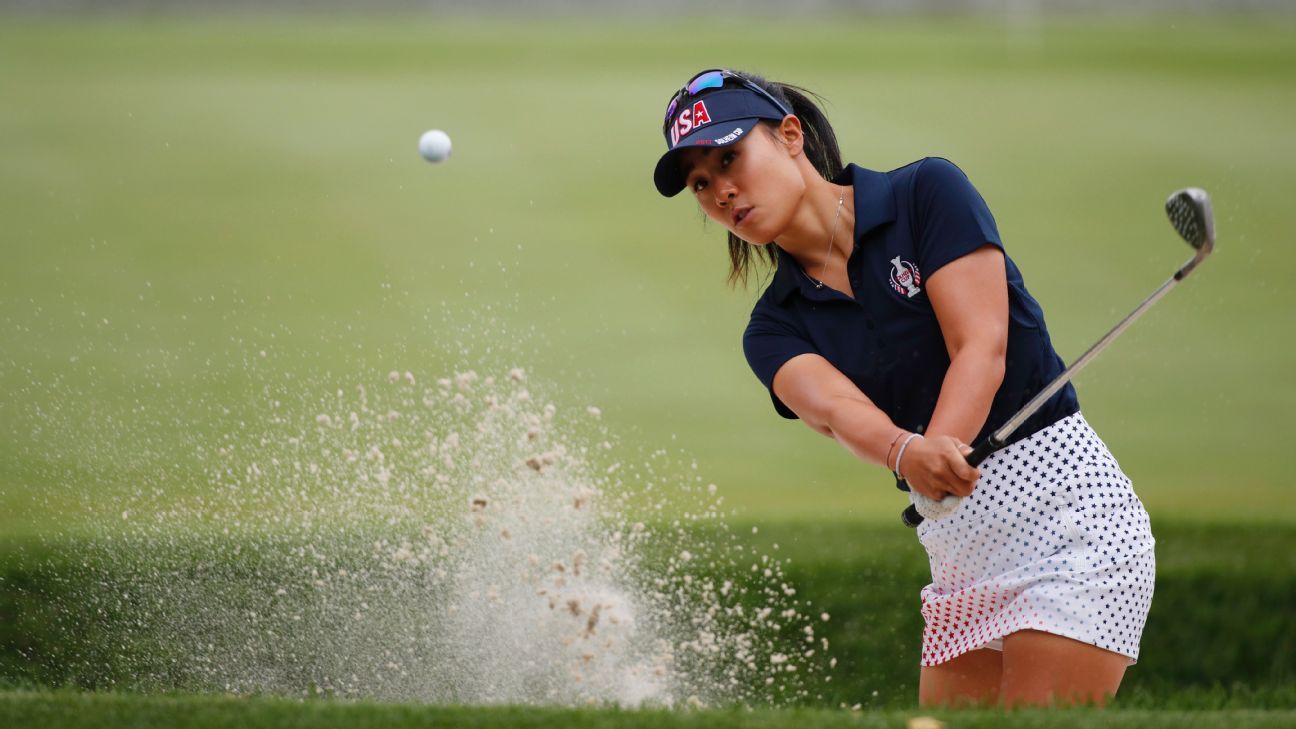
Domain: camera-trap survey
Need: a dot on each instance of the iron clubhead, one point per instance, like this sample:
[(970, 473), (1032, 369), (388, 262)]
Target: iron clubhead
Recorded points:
[(1190, 214)]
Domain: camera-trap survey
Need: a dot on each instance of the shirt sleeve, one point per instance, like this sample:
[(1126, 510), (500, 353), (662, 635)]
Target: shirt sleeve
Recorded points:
[(769, 344), (953, 219)]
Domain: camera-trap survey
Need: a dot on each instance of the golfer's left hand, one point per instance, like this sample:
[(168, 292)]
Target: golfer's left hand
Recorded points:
[(938, 466)]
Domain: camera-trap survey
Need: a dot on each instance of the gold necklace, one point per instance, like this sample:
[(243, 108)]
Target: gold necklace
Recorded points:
[(840, 200)]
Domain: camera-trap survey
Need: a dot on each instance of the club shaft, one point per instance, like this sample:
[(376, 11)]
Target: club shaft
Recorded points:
[(1003, 433), (997, 439), (1190, 214)]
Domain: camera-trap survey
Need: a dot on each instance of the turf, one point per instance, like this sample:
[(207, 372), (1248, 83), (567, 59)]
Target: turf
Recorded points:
[(203, 215), (1218, 635), (68, 710), (203, 211)]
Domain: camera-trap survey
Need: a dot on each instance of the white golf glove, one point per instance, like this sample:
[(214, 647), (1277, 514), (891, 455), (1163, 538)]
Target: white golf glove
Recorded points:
[(933, 509)]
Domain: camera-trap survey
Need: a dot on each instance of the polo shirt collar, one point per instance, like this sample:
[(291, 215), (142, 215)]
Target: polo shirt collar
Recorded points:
[(874, 206)]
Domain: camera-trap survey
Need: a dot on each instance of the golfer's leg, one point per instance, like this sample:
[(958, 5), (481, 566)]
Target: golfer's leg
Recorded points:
[(1040, 669), (972, 678)]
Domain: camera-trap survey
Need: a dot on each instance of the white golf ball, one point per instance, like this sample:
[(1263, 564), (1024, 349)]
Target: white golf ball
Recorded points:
[(434, 145)]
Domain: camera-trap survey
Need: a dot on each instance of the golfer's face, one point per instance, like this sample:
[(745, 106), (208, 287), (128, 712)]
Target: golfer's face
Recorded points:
[(750, 187)]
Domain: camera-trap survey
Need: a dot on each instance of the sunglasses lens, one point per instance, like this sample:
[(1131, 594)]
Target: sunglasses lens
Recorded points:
[(700, 83), (708, 80)]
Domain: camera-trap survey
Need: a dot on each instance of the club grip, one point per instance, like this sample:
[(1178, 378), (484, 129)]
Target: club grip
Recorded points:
[(981, 452), (910, 516)]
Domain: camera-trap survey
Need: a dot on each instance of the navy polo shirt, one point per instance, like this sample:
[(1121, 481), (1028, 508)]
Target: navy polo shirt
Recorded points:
[(909, 223)]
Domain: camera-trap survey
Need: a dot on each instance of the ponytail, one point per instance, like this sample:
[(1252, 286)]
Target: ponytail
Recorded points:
[(820, 148)]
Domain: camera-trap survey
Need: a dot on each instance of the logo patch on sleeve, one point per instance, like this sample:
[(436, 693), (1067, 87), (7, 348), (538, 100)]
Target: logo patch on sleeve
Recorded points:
[(905, 278)]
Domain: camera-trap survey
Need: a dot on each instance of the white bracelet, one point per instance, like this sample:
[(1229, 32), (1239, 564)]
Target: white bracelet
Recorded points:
[(900, 455)]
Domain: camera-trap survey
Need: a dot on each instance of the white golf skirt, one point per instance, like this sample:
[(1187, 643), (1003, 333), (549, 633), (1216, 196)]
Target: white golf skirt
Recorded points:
[(1053, 538)]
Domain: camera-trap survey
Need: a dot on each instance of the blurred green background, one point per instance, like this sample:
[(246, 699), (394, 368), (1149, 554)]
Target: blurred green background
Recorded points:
[(212, 222), (198, 208)]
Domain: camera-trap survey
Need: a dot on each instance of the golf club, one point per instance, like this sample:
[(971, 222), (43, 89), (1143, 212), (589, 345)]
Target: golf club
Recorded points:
[(1190, 214)]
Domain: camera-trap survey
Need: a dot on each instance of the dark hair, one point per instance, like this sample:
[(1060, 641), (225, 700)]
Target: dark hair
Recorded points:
[(820, 148)]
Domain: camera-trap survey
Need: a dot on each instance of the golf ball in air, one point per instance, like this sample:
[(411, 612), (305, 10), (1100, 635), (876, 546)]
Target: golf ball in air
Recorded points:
[(434, 145)]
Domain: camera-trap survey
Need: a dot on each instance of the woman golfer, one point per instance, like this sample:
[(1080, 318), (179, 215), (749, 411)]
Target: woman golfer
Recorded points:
[(895, 324)]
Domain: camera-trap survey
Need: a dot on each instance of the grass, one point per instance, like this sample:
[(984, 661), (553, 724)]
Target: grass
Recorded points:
[(75, 710), (201, 212), (204, 216), (1218, 635)]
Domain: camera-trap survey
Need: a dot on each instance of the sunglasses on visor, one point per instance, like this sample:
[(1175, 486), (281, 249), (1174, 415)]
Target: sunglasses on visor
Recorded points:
[(715, 79)]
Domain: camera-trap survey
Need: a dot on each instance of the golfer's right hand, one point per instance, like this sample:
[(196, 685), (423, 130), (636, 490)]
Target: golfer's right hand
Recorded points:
[(938, 466)]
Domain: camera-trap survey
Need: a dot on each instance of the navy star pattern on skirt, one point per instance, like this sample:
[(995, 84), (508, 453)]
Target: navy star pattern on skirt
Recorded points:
[(1053, 538)]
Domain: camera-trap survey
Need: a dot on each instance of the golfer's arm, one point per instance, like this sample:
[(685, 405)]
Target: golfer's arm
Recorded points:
[(970, 297), (830, 404)]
